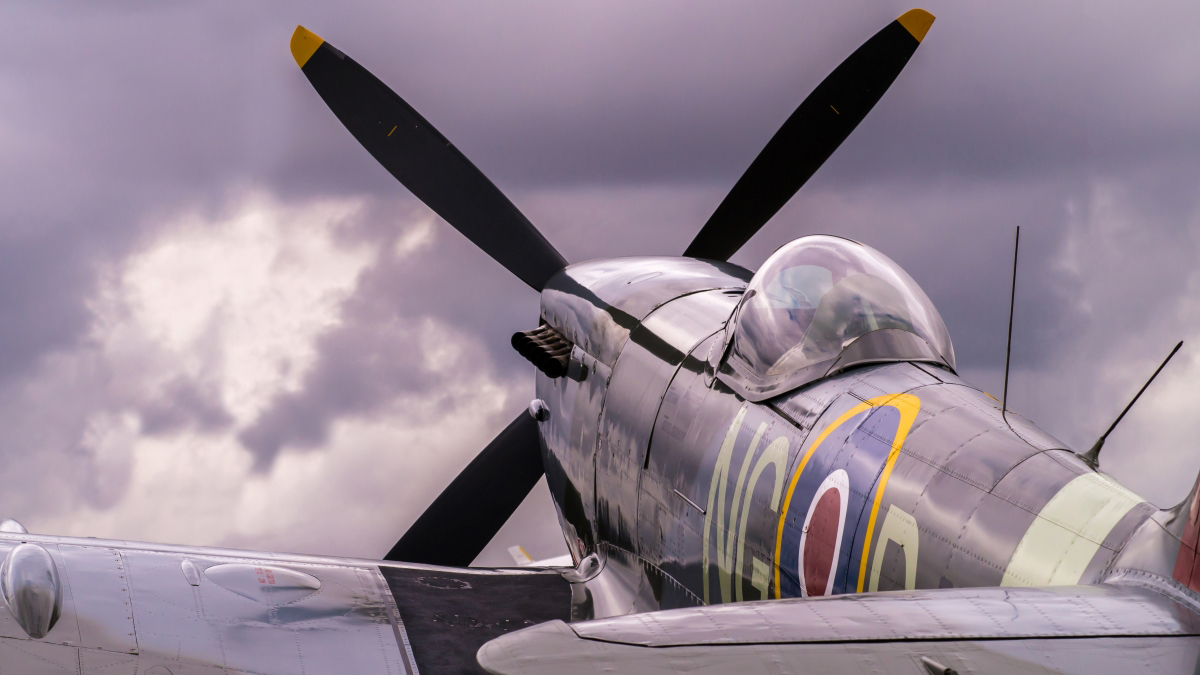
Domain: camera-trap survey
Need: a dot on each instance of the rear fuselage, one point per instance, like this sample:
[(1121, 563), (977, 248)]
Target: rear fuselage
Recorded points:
[(885, 476)]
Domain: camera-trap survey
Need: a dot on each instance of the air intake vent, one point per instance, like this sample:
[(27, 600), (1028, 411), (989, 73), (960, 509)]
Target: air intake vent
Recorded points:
[(544, 348)]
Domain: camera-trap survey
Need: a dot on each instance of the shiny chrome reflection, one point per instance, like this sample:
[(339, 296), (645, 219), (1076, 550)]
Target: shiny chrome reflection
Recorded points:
[(538, 410), (31, 586), (12, 525), (812, 301), (190, 572), (272, 585), (587, 570), (936, 668)]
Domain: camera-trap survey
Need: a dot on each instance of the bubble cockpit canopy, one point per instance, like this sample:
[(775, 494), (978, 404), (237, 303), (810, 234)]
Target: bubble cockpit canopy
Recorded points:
[(821, 304)]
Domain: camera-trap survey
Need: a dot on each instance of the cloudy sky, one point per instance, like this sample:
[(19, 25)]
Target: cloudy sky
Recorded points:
[(221, 323)]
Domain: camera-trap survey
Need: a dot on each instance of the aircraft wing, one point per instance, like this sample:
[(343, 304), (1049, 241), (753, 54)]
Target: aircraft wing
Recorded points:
[(143, 609), (1142, 625), (448, 614)]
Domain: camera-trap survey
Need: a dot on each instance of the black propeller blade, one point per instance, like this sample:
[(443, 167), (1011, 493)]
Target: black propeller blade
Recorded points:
[(469, 512), (810, 136), (425, 162)]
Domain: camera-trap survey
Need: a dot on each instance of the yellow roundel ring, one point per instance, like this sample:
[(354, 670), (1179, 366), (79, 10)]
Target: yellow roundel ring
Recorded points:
[(908, 407)]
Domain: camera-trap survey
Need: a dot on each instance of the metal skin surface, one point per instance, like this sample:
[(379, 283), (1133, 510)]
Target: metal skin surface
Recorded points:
[(129, 607), (1028, 656), (1081, 629), (31, 588), (689, 495), (595, 304)]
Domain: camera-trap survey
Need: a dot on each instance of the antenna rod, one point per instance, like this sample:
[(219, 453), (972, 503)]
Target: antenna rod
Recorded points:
[(1092, 457), (1012, 301)]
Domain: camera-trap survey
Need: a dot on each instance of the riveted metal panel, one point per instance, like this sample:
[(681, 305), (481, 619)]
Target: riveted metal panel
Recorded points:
[(987, 541), (960, 435), (596, 304), (1032, 483), (662, 511), (805, 405), (728, 544), (569, 444), (1078, 526), (100, 589), (1151, 547), (887, 567), (32, 657), (638, 383), (867, 382), (851, 436), (683, 322), (345, 626), (670, 519), (943, 509), (554, 648), (1118, 537), (1067, 611), (644, 370), (688, 325)]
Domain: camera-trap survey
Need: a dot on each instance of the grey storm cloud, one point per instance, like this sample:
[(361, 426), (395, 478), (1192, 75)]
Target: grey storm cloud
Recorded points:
[(184, 402), (617, 128), (371, 358)]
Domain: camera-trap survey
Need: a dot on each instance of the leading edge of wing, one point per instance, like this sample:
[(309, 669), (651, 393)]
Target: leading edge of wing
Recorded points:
[(837, 633)]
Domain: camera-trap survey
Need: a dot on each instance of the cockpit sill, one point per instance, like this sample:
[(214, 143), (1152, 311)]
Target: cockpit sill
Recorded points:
[(886, 345)]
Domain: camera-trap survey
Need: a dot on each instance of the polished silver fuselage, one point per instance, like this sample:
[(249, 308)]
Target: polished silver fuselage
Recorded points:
[(682, 493)]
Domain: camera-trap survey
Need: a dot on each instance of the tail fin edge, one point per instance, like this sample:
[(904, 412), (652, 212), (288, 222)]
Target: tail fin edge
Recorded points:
[(1182, 521)]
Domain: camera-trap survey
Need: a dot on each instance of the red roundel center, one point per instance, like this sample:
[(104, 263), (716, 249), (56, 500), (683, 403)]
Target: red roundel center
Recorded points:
[(820, 542)]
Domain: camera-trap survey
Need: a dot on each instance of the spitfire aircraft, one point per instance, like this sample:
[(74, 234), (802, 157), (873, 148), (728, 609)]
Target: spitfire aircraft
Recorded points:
[(771, 471)]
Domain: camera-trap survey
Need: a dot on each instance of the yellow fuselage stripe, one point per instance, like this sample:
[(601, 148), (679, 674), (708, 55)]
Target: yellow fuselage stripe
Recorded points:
[(908, 406)]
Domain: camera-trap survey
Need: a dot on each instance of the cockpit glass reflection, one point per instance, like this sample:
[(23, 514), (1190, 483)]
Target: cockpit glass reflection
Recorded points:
[(816, 296)]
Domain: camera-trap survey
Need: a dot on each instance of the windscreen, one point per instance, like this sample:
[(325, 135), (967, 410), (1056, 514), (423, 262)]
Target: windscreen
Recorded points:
[(816, 296)]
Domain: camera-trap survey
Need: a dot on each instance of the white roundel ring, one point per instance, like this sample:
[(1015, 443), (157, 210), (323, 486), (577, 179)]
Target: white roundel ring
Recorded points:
[(821, 538)]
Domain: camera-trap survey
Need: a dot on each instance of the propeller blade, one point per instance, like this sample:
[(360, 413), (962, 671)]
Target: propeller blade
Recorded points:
[(425, 162), (476, 504), (810, 136)]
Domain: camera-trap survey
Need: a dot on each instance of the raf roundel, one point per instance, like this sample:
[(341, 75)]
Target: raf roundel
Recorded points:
[(821, 538)]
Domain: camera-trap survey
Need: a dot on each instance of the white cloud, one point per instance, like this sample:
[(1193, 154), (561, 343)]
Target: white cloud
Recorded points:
[(233, 307), (245, 296)]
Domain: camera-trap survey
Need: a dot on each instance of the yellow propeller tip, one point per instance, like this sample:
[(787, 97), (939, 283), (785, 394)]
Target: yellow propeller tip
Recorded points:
[(915, 21), (305, 43)]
